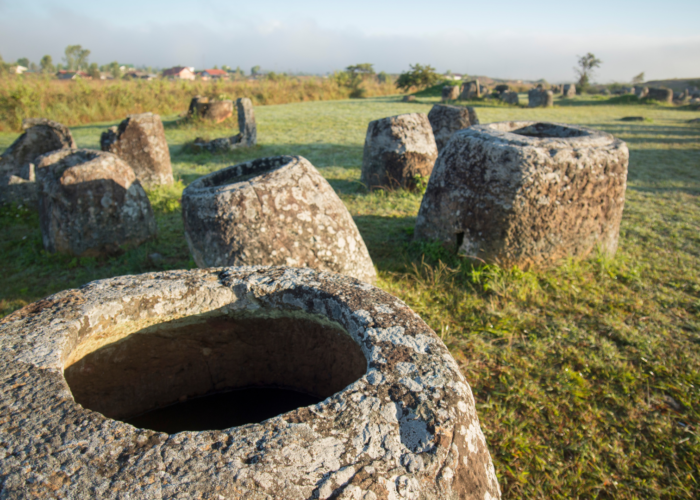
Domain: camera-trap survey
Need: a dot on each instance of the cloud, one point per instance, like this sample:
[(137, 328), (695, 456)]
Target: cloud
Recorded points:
[(306, 46)]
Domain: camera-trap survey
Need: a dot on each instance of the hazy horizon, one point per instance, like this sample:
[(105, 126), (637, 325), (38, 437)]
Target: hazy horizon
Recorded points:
[(513, 40)]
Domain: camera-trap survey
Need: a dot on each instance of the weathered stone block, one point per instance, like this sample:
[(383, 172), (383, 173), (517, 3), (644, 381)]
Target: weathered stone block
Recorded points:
[(17, 183), (661, 95), (446, 120), (526, 193), (450, 93), (140, 141), (569, 90), (247, 127), (540, 98), (272, 211), (396, 418), (90, 203), (510, 97), (397, 149)]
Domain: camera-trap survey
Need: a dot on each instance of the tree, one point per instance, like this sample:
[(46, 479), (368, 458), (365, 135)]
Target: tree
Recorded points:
[(23, 61), (255, 70), (94, 71), (47, 64), (382, 77), (4, 67), (76, 57), (420, 76), (585, 69), (639, 79), (114, 69), (364, 69)]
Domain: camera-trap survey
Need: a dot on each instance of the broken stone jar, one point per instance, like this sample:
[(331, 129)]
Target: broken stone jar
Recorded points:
[(526, 193), (140, 387), (273, 211)]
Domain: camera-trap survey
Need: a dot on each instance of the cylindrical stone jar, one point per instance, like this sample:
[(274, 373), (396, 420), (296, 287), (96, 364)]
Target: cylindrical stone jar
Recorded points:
[(395, 417), (91, 203), (526, 193), (273, 211), (397, 150)]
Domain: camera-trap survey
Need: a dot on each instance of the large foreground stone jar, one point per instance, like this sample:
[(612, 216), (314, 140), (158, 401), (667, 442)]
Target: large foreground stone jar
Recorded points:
[(446, 120), (397, 149), (140, 141), (273, 211), (526, 193), (17, 165), (90, 203), (396, 418)]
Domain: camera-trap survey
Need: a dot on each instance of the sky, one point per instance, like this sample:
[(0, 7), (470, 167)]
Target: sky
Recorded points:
[(523, 39)]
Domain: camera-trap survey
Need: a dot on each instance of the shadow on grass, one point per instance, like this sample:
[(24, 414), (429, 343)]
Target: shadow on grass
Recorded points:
[(386, 239), (188, 166), (640, 132)]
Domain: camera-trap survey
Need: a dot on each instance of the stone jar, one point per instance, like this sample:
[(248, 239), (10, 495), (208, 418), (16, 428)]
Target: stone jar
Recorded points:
[(471, 90), (569, 90), (210, 109), (661, 95), (17, 164), (395, 418), (540, 98), (246, 137), (450, 93), (140, 141), (397, 150), (510, 97), (526, 193), (446, 120), (273, 211), (91, 204)]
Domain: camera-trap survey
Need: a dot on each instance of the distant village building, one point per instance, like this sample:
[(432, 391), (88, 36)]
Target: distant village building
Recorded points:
[(20, 69), (180, 73), (213, 74), (139, 75), (72, 75)]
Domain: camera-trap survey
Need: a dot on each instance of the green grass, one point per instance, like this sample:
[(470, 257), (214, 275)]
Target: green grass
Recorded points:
[(586, 376)]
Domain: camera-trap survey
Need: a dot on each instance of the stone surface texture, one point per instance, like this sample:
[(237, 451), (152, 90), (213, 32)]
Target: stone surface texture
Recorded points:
[(17, 164), (661, 95), (273, 211), (90, 203), (510, 97), (406, 429), (526, 193), (569, 90), (397, 149), (140, 142), (540, 98), (450, 93), (446, 120)]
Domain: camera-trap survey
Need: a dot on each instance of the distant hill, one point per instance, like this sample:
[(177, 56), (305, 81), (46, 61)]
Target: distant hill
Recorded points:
[(676, 84)]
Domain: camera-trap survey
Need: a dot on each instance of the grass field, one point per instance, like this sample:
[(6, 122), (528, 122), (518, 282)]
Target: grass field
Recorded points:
[(587, 376)]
